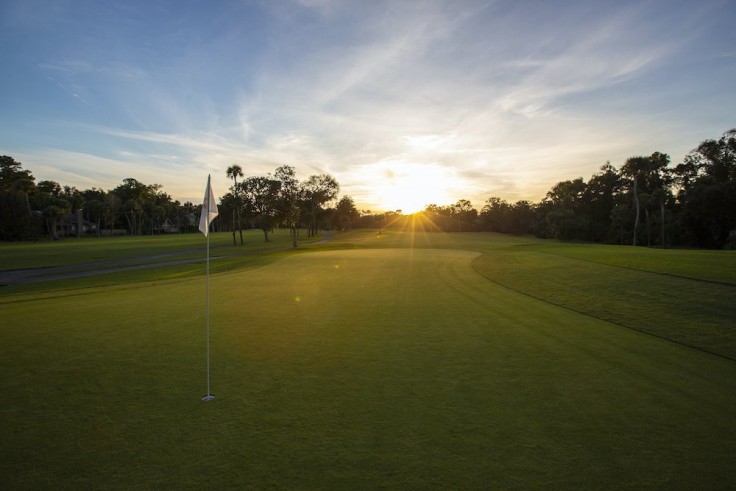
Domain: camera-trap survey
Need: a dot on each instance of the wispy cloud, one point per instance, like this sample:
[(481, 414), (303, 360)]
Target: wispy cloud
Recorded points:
[(500, 98), (201, 144)]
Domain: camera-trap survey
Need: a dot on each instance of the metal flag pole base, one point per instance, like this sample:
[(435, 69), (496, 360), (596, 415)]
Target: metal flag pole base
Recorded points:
[(208, 397)]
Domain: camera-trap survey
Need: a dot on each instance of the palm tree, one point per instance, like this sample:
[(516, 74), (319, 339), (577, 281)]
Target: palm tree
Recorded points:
[(234, 171), (649, 177), (635, 168), (660, 181)]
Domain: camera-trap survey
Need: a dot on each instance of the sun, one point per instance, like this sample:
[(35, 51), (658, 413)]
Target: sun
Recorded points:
[(411, 187)]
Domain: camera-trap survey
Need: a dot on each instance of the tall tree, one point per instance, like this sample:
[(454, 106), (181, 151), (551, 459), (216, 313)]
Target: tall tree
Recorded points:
[(233, 172), (186, 214), (635, 169), (563, 210), (522, 217), (658, 181), (318, 191), (440, 217), (288, 199), (260, 199), (25, 187), (54, 208), (138, 202), (131, 193), (16, 214), (649, 183), (708, 199), (494, 216), (113, 205), (599, 200), (94, 207), (345, 213), (464, 215)]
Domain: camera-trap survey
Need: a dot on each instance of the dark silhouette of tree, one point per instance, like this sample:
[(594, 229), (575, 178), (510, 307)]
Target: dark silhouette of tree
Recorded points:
[(464, 215), (94, 207), (226, 208), (599, 201), (634, 169), (288, 200), (494, 216), (16, 214), (260, 200), (345, 214), (233, 172), (659, 182), (185, 216), (440, 217), (318, 191), (707, 181), (649, 182), (563, 210), (113, 205), (53, 207), (132, 194)]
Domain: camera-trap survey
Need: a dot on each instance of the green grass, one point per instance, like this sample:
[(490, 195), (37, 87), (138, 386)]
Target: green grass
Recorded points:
[(21, 255), (88, 252), (686, 296), (361, 363), (691, 311), (703, 265), (136, 259)]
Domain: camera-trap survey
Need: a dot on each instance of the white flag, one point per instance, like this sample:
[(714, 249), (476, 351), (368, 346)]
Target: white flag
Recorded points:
[(209, 209)]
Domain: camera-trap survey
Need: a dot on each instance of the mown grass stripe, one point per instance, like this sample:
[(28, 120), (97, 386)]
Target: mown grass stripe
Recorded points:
[(691, 312)]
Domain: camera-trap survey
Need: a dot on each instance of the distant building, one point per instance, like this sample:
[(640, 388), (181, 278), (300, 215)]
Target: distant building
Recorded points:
[(75, 224), (169, 228)]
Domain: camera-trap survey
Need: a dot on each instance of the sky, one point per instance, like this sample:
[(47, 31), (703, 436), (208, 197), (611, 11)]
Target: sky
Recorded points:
[(405, 103)]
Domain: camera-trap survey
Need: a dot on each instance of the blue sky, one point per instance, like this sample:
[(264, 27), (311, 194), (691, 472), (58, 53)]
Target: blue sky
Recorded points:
[(406, 102)]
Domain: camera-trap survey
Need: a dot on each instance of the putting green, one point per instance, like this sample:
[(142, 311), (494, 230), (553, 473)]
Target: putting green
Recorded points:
[(362, 368)]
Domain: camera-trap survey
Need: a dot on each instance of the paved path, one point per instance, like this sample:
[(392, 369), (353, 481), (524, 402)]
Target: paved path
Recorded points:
[(36, 275)]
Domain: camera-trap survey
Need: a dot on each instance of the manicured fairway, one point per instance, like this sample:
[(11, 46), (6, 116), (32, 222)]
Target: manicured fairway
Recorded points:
[(365, 368)]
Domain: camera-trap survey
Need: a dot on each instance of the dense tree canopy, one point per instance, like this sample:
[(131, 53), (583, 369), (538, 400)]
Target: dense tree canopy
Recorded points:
[(644, 202), (31, 209)]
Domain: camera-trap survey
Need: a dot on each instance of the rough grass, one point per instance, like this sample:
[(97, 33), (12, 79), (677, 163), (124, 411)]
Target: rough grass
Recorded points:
[(355, 367)]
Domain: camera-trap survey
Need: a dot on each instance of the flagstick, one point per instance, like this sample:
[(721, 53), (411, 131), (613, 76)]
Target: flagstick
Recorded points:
[(209, 395)]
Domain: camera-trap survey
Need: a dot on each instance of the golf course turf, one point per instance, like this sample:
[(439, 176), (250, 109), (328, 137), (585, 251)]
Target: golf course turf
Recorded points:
[(405, 361)]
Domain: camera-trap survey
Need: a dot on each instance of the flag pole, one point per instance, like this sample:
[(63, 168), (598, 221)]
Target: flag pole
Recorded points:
[(209, 210), (209, 395)]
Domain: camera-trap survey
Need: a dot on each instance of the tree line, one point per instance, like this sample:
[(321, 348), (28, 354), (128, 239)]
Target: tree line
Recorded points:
[(646, 201), (30, 210)]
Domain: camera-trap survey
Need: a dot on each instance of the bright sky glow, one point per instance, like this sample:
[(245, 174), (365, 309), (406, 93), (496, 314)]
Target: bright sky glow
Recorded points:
[(405, 102), (410, 187)]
